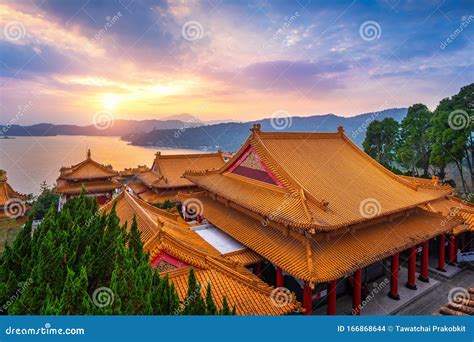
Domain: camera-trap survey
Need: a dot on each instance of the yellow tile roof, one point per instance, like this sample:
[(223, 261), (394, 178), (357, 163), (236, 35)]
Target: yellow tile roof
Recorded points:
[(165, 232), (66, 187), (320, 258), (245, 257), (86, 170), (451, 207), (6, 191), (325, 180), (248, 293), (170, 168)]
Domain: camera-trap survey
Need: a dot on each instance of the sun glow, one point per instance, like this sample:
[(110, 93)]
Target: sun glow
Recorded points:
[(110, 101)]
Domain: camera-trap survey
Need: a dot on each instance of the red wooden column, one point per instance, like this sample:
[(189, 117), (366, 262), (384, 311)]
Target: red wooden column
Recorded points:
[(307, 299), (394, 277), (331, 308), (452, 252), (280, 280), (356, 295), (411, 283), (441, 253), (424, 276)]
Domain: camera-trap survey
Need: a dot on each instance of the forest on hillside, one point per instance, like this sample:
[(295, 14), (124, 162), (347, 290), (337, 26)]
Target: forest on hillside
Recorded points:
[(429, 143)]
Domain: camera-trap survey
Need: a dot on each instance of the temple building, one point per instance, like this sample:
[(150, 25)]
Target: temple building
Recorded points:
[(326, 217), (175, 247), (98, 180), (12, 203), (165, 178)]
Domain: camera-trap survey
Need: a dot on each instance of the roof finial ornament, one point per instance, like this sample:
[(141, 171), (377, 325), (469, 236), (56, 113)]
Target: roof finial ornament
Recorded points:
[(158, 153), (3, 175), (340, 130), (256, 128), (88, 153)]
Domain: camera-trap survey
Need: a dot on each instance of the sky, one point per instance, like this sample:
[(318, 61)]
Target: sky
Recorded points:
[(69, 61)]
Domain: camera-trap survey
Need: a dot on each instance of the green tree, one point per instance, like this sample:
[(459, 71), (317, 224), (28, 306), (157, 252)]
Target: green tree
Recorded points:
[(452, 133), (381, 141), (415, 140), (83, 262), (44, 201)]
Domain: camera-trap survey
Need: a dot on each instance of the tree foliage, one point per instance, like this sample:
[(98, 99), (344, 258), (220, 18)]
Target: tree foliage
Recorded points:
[(81, 262), (381, 140), (44, 201), (415, 140)]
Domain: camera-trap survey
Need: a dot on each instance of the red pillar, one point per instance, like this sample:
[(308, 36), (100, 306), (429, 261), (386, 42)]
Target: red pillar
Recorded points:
[(307, 299), (411, 283), (424, 276), (394, 277), (279, 278), (356, 295), (257, 269), (456, 248), (452, 246), (441, 253), (331, 308)]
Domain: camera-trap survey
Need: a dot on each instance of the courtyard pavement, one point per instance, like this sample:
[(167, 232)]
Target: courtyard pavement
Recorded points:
[(378, 302)]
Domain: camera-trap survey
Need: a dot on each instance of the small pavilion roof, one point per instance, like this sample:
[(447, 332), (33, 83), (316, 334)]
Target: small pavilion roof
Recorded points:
[(6, 191), (87, 170), (319, 258), (165, 232), (450, 207), (65, 187), (317, 181), (8, 195), (167, 170)]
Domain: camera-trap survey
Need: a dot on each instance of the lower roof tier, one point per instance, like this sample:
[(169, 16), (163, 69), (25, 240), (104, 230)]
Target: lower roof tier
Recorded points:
[(318, 259), (69, 188)]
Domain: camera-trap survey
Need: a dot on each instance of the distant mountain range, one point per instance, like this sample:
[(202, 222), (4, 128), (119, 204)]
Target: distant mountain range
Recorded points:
[(229, 136), (187, 131), (115, 128)]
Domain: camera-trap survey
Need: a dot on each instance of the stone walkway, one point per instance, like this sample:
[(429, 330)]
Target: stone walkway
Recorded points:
[(432, 301), (378, 302)]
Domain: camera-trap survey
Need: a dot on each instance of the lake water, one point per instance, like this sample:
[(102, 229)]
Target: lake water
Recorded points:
[(31, 160)]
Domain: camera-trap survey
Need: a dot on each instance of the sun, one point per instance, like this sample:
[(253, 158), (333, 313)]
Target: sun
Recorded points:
[(110, 101)]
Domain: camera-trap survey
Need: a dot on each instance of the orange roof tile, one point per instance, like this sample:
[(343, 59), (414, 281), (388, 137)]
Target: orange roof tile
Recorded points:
[(6, 191), (169, 169), (451, 207), (320, 259), (245, 257), (248, 293), (463, 305), (162, 231), (88, 169), (322, 179), (65, 187)]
